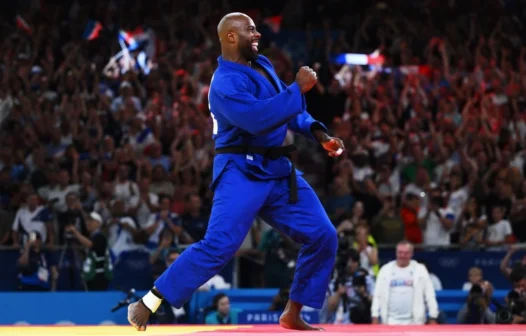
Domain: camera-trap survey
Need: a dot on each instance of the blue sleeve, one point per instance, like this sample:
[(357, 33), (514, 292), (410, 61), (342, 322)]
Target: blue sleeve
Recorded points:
[(231, 97), (302, 123)]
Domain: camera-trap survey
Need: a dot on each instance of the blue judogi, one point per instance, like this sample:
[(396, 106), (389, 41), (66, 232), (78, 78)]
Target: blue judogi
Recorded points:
[(247, 109)]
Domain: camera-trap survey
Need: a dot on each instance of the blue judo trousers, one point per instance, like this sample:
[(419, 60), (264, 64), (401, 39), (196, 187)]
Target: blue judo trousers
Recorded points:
[(248, 109)]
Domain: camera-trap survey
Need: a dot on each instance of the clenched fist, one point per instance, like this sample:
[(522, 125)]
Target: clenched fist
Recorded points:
[(306, 78)]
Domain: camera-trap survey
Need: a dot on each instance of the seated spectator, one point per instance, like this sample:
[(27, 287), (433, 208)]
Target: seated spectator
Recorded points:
[(222, 313), (37, 273)]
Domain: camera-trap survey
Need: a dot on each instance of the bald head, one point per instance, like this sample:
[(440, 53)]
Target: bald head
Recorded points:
[(239, 38), (232, 23)]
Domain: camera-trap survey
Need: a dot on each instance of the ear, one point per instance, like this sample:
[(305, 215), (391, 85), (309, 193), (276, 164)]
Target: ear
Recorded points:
[(232, 37)]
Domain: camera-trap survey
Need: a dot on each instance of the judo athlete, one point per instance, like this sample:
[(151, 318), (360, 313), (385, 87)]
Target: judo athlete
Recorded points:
[(252, 110)]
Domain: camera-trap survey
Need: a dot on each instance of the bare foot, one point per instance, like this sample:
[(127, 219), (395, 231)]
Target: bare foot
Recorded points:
[(138, 315), (289, 321), (291, 318)]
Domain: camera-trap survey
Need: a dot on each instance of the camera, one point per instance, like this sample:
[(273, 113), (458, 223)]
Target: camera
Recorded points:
[(360, 312), (359, 279), (516, 306)]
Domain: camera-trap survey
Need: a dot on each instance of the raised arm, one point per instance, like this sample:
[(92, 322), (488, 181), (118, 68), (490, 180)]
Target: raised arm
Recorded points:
[(231, 99)]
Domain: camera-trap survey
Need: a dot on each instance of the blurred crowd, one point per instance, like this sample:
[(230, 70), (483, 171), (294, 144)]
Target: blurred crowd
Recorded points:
[(102, 154)]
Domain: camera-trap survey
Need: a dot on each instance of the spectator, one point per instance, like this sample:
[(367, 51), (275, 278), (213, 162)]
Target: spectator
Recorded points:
[(124, 188), (37, 273), (57, 195), (499, 232), (164, 219), (473, 225), (350, 293), (340, 200), (222, 313), (476, 310), (387, 226), (409, 214), (475, 277), (122, 230), (32, 218), (366, 246), (438, 221), (401, 279), (194, 220), (505, 262), (97, 269), (143, 204)]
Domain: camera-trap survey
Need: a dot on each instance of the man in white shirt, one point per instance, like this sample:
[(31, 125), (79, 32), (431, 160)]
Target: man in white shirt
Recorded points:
[(403, 291), (32, 217), (437, 221)]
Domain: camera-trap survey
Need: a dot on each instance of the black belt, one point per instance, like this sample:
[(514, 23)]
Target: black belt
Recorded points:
[(272, 153)]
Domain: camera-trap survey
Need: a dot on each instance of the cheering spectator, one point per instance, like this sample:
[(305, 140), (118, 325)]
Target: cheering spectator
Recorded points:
[(159, 221), (32, 218), (409, 214)]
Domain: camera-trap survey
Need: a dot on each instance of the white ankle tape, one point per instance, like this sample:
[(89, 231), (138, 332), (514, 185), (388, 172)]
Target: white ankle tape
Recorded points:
[(151, 301)]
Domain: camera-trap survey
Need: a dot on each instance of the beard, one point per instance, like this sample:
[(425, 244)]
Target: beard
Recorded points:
[(248, 52)]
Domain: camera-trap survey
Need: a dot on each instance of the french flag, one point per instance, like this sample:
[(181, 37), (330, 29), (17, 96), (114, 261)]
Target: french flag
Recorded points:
[(23, 25), (92, 30), (134, 38), (360, 59)]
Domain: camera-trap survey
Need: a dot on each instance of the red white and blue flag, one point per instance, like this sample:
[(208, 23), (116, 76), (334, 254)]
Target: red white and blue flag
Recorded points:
[(92, 30), (134, 38)]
